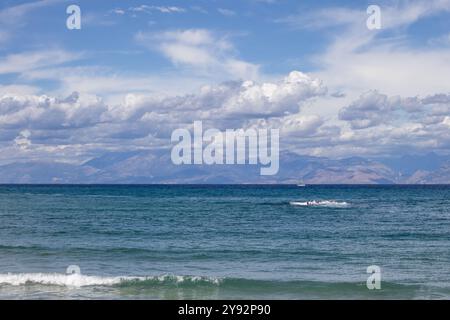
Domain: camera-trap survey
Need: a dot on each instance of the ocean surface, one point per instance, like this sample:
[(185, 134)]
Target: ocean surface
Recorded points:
[(223, 242)]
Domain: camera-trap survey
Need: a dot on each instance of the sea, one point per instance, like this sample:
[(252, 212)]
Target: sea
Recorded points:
[(224, 242)]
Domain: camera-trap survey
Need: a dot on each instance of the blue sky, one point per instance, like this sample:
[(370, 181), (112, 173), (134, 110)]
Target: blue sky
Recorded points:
[(139, 69)]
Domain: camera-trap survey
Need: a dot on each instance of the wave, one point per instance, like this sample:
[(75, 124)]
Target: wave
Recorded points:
[(321, 203), (79, 280), (202, 287)]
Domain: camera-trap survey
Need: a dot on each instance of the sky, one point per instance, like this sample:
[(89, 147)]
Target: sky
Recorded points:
[(137, 70)]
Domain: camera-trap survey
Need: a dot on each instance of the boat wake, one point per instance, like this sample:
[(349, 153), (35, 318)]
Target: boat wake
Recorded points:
[(321, 203)]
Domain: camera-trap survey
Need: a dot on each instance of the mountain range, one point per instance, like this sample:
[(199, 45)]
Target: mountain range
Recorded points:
[(155, 167)]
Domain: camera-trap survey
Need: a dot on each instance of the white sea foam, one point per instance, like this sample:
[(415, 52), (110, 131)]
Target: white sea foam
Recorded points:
[(321, 203), (79, 280)]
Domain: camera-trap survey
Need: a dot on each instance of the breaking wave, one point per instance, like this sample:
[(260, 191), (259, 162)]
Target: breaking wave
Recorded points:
[(201, 287), (79, 280)]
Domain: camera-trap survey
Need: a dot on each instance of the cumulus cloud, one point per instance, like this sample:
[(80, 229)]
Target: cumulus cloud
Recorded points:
[(373, 108), (292, 126), (274, 99), (437, 99), (141, 120), (49, 113), (232, 100), (409, 110), (80, 125), (382, 124)]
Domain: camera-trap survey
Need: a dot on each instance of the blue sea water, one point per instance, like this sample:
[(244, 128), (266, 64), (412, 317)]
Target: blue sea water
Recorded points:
[(224, 242)]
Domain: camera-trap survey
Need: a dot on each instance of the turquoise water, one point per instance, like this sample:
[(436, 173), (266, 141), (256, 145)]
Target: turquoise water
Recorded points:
[(224, 242)]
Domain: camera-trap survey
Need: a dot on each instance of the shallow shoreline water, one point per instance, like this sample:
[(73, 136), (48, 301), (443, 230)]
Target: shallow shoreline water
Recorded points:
[(224, 242)]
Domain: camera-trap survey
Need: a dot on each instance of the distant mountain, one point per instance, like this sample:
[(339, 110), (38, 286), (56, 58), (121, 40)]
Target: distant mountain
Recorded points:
[(347, 171), (42, 172), (440, 176), (148, 167), (409, 164)]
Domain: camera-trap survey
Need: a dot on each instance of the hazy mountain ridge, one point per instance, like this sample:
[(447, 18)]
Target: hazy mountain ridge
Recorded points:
[(156, 167), (440, 176)]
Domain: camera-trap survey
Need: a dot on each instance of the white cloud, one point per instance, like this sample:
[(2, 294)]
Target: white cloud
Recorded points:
[(83, 122), (292, 126), (109, 84), (229, 103), (22, 140), (201, 50), (14, 17), (86, 119), (14, 14), (324, 18), (381, 124), (274, 99), (186, 54), (388, 69), (393, 15), (358, 59), (399, 110), (161, 9), (18, 90), (49, 113), (409, 12), (29, 61), (119, 11), (371, 109), (446, 121), (226, 12)]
